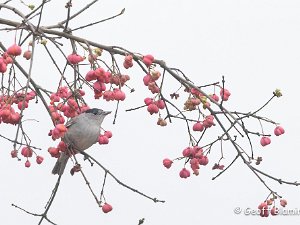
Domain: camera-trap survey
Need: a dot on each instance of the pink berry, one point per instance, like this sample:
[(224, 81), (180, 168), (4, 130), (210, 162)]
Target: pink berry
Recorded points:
[(150, 57), (152, 108), (92, 58), (62, 146), (5, 113), (195, 101), (187, 152), (56, 134), (14, 50), (3, 66), (262, 205), (148, 101), (196, 172), (74, 58), (155, 75), (206, 105), (27, 164), (283, 202), (128, 61), (153, 87), (265, 141), (128, 58), (14, 153), (264, 212), (161, 104), (215, 97), (147, 79), (106, 208), (194, 161), (198, 127), (184, 173), (199, 154), (54, 152), (108, 134), (279, 131), (103, 140), (108, 95), (208, 121), (90, 75), (195, 92), (81, 92), (27, 54), (15, 118), (224, 94), (26, 152), (54, 97), (203, 160), (167, 163), (61, 127), (8, 60), (274, 211), (20, 105), (119, 95), (39, 159), (127, 65), (148, 60), (99, 87)]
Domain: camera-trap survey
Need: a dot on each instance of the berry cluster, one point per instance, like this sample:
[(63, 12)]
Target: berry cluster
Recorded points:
[(21, 99), (195, 156), (128, 62), (154, 106), (63, 101), (156, 103), (27, 153), (75, 59), (55, 152), (265, 140), (12, 52), (7, 112), (268, 207), (101, 78), (206, 123), (103, 139), (150, 81)]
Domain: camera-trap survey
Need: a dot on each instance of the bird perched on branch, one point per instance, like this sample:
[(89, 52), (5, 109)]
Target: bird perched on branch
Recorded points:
[(83, 131)]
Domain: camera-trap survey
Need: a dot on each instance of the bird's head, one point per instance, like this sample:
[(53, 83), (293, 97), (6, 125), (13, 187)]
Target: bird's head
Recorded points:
[(97, 112)]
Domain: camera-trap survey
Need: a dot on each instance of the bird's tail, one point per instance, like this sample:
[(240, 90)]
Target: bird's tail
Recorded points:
[(60, 164)]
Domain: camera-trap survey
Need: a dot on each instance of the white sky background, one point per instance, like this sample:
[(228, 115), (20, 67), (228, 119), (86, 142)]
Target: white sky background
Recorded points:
[(255, 44)]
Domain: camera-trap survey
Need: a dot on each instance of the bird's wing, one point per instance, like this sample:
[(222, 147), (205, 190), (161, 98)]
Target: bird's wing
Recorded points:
[(71, 122), (65, 138)]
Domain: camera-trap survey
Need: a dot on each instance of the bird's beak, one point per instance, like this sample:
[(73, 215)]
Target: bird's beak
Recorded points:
[(107, 112)]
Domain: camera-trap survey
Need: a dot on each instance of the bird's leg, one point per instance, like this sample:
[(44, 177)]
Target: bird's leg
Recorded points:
[(87, 158)]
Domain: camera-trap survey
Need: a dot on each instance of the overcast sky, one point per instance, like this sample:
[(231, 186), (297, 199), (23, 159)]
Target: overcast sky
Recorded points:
[(253, 43)]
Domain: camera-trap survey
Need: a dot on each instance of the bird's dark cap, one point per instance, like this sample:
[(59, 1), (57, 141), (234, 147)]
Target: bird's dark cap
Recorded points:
[(96, 111)]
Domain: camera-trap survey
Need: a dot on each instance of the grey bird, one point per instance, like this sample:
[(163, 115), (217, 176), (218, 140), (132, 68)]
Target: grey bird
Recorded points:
[(83, 131)]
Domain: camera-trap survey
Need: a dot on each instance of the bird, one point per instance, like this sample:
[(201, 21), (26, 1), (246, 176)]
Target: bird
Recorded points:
[(82, 132)]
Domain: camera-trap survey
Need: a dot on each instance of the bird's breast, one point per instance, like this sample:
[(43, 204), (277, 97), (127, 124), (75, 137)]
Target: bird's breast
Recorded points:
[(82, 137)]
